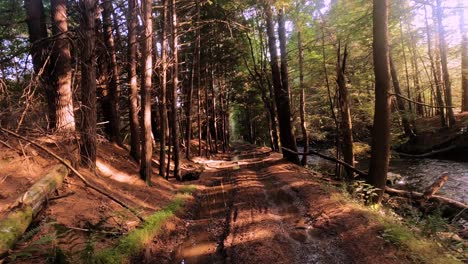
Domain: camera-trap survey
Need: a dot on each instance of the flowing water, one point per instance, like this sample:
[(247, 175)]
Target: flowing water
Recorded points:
[(418, 174)]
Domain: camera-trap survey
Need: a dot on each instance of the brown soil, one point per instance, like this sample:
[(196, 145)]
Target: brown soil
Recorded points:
[(262, 209), (84, 208), (251, 207)]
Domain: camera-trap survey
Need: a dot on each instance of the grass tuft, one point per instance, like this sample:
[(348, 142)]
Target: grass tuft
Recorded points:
[(135, 241)]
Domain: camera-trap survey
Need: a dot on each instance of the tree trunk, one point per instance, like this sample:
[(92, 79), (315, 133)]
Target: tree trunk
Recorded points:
[(88, 83), (147, 144), (305, 137), (400, 102), (37, 30), (162, 95), (132, 72), (112, 113), (438, 88), (60, 71), (346, 123), (380, 148), (443, 56), (464, 63), (175, 81), (281, 93), (213, 107)]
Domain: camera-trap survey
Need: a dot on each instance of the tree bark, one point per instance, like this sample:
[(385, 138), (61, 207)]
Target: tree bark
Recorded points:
[(305, 137), (464, 63), (281, 93), (346, 122), (88, 83), (443, 56), (147, 144), (27, 206), (60, 69), (162, 95), (37, 30), (380, 146), (132, 72), (438, 88), (400, 102), (112, 98), (175, 81)]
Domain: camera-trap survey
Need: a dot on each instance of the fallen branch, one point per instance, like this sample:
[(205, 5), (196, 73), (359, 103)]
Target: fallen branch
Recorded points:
[(418, 103), (76, 172), (61, 196), (95, 231), (435, 186), (312, 152)]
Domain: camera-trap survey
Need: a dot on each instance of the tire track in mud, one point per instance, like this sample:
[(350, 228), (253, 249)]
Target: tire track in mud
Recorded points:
[(250, 216), (272, 224), (210, 224)]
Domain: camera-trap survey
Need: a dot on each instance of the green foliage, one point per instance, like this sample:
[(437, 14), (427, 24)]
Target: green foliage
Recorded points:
[(363, 191), (434, 223), (135, 241), (421, 249)]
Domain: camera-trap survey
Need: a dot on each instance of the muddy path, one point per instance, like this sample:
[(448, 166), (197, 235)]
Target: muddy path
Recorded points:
[(257, 208)]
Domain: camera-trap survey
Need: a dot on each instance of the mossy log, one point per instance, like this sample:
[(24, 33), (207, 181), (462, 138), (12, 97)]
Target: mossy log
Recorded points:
[(26, 207)]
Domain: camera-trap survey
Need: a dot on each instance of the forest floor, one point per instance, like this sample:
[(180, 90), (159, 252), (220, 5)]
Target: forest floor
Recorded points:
[(255, 207), (249, 206)]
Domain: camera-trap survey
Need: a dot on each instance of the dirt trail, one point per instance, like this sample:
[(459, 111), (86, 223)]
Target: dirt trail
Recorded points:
[(258, 208)]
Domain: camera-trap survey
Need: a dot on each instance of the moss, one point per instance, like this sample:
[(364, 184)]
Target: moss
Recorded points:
[(13, 226), (135, 241), (187, 189)]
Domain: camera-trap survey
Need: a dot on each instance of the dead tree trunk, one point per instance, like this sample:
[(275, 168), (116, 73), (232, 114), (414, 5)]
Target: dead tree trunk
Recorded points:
[(400, 102), (147, 144), (28, 206), (346, 123)]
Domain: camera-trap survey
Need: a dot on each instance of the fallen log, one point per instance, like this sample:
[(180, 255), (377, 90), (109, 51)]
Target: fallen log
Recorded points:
[(427, 154), (77, 173), (420, 196), (26, 207), (408, 194), (312, 152)]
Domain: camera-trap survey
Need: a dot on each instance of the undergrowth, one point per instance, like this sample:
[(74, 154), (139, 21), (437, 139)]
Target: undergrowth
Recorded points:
[(50, 245), (416, 235), (135, 241)]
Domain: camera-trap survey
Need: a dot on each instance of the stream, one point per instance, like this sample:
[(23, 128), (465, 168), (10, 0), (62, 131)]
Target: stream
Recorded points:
[(417, 174)]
